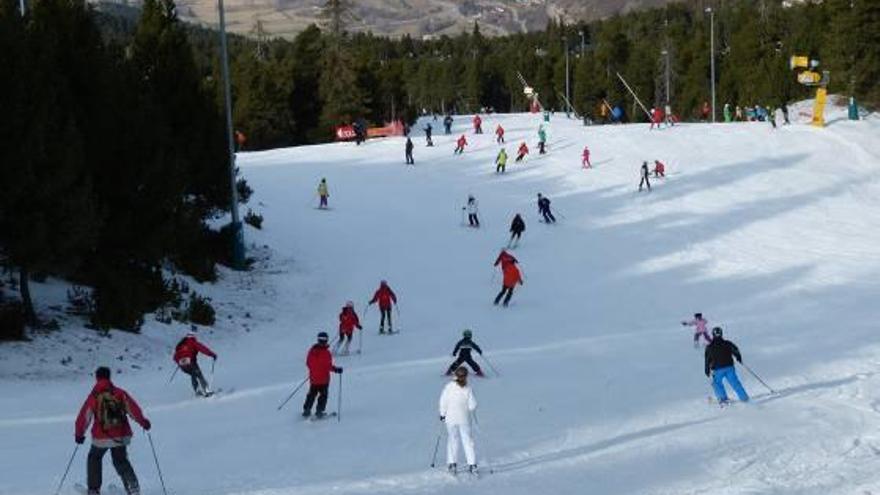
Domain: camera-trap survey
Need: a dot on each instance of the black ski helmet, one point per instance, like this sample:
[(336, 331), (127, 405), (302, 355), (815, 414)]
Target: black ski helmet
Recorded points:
[(467, 333), (323, 337), (698, 316), (717, 332), (102, 373)]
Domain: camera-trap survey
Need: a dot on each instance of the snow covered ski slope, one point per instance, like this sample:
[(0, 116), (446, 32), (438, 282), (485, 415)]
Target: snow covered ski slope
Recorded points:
[(772, 235)]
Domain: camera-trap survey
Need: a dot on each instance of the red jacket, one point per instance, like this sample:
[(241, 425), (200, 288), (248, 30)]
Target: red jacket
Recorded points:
[(511, 275), (186, 352), (659, 167), (320, 364), (523, 149), (504, 259), (89, 412), (499, 130), (586, 152), (462, 142), (477, 121), (348, 320), (385, 296)]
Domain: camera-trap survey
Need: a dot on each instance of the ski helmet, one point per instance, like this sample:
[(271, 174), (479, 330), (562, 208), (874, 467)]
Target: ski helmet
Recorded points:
[(467, 333), (323, 337), (102, 373), (698, 316), (383, 282), (461, 372), (349, 304), (717, 332)]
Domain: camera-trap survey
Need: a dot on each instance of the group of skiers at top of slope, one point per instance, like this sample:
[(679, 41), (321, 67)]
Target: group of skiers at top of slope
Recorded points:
[(755, 113)]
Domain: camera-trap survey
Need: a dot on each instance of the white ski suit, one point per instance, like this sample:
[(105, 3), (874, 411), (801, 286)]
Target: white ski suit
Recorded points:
[(456, 405), (473, 207)]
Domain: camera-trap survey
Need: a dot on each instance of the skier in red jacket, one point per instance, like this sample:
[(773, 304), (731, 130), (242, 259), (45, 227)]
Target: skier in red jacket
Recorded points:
[(585, 158), (385, 297), (320, 364), (659, 169), (499, 134), (478, 125), (522, 152), (504, 258), (107, 408), (460, 144), (348, 321), (185, 354), (512, 277)]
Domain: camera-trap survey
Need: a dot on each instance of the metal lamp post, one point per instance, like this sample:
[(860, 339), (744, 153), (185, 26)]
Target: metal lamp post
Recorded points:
[(712, 55), (237, 232), (567, 95)]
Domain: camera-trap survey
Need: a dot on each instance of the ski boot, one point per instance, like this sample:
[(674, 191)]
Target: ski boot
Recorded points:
[(480, 373), (320, 415), (452, 468), (472, 469), (306, 414), (382, 330)]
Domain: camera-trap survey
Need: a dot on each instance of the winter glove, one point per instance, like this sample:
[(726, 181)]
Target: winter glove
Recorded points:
[(147, 425), (708, 373), (360, 327), (338, 369), (79, 440), (442, 418)]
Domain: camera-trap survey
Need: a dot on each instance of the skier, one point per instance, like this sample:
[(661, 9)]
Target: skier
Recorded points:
[(108, 407), (727, 115), (544, 209), (738, 113), (499, 134), (517, 227), (478, 124), (771, 116), (320, 363), (659, 169), (457, 404), (348, 321), (504, 258), (185, 354), (585, 158), (472, 207), (542, 140), (323, 193), (522, 152), (644, 179), (699, 323), (386, 298), (784, 109), (463, 352), (670, 119), (656, 118), (719, 363), (512, 277), (501, 161), (460, 144), (706, 111), (447, 124), (409, 150), (428, 130)]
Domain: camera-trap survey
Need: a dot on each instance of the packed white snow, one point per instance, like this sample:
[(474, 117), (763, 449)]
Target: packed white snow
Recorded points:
[(771, 234)]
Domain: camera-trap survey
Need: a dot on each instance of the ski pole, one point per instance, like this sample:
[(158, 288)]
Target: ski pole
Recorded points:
[(490, 364), (212, 367), (172, 375), (67, 470), (156, 459), (744, 365), (303, 382), (360, 341), (433, 457), (339, 401)]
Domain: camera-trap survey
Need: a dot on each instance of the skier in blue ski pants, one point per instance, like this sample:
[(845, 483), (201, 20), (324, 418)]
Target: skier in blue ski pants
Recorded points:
[(728, 373), (720, 355)]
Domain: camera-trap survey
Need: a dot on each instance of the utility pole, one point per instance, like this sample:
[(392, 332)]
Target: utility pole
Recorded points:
[(665, 53), (567, 95), (712, 54), (237, 233), (583, 45)]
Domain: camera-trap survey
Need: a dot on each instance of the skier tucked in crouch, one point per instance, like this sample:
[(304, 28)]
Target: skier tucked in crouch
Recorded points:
[(659, 169), (409, 151), (457, 405), (644, 180), (522, 152), (719, 361), (585, 158), (699, 323), (185, 354), (473, 208), (460, 144), (107, 408), (348, 321), (320, 363), (501, 161), (385, 297), (512, 277), (463, 350), (544, 209), (323, 193), (499, 134), (517, 227)]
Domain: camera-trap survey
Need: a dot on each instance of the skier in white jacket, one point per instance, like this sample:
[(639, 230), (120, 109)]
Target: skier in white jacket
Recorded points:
[(457, 404)]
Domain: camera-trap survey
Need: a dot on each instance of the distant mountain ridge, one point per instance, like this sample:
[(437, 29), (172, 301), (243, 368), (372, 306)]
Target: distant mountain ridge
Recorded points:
[(418, 18)]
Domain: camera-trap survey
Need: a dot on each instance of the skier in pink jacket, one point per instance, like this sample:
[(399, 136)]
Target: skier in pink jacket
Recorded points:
[(699, 323)]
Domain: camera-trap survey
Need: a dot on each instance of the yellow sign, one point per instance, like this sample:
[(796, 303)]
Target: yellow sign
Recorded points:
[(799, 62), (819, 108)]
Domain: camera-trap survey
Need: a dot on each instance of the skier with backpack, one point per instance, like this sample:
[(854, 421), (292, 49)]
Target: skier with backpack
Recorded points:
[(700, 324), (457, 405), (185, 355), (386, 298), (348, 321), (511, 277), (544, 209), (719, 364), (319, 361), (462, 354), (501, 161), (522, 152), (517, 227), (644, 177), (323, 193), (473, 208), (460, 144), (108, 408), (409, 151)]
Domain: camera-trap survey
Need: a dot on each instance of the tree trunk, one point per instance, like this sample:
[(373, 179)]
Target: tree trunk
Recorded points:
[(30, 316)]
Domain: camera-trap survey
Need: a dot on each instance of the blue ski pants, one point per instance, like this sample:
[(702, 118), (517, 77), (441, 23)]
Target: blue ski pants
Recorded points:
[(728, 373)]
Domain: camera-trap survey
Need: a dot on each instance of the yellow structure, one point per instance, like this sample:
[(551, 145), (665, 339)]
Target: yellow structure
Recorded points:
[(810, 77)]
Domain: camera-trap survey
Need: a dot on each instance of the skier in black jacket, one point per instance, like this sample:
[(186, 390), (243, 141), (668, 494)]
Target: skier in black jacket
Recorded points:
[(409, 150), (720, 354), (517, 227), (463, 350), (644, 174), (544, 209)]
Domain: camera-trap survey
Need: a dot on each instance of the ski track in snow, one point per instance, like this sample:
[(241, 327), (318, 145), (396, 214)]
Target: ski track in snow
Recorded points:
[(768, 233)]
